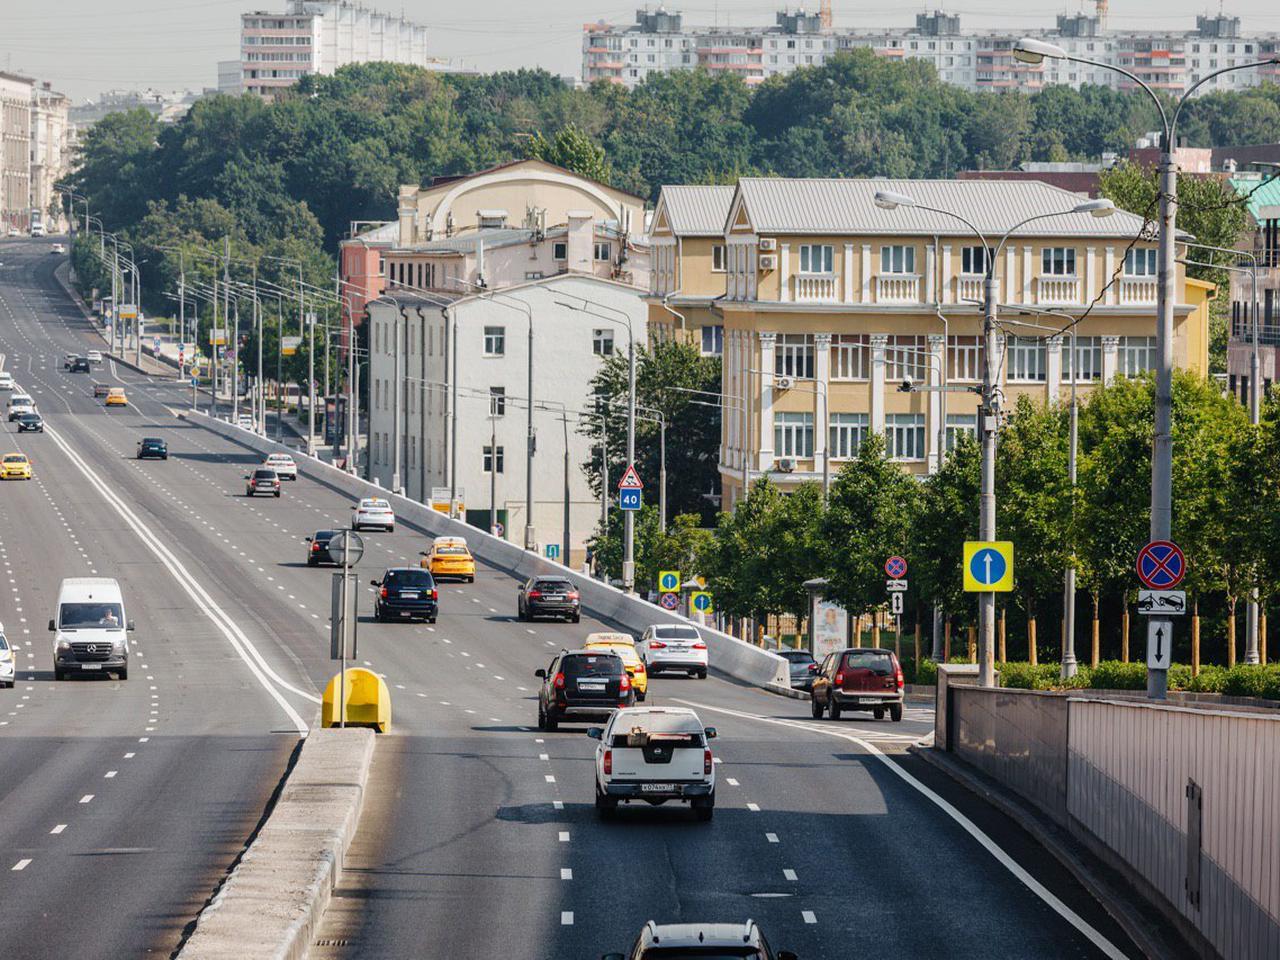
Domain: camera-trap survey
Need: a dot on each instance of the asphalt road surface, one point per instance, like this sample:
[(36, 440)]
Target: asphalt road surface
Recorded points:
[(122, 804)]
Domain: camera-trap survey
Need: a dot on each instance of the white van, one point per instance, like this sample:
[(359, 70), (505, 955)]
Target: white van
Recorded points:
[(90, 632)]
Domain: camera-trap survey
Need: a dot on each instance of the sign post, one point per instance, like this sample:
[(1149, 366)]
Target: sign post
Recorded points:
[(895, 568), (346, 548), (1161, 566)]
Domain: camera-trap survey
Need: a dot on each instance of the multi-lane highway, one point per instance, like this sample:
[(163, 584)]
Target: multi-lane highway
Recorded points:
[(122, 804)]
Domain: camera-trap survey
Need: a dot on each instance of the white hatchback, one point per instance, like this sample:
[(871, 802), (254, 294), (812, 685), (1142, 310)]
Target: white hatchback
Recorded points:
[(652, 755), (6, 380), (283, 464), (674, 646), (373, 512), (95, 356), (8, 663)]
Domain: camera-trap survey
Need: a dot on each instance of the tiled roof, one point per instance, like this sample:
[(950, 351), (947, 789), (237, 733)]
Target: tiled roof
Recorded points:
[(697, 211), (847, 206)]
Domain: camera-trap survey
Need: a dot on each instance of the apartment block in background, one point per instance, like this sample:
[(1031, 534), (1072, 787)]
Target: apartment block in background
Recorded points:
[(1262, 199), (831, 303), (50, 151), (15, 150)]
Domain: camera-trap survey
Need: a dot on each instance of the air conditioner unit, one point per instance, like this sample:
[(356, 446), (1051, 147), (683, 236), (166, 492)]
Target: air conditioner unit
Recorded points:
[(784, 383), (768, 261), (768, 243), (785, 465)]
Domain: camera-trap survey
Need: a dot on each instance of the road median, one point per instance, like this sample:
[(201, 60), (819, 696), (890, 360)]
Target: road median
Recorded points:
[(271, 903)]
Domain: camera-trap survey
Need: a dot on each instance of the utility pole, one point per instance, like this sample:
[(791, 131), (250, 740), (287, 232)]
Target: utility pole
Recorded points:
[(226, 295), (311, 385), (988, 423)]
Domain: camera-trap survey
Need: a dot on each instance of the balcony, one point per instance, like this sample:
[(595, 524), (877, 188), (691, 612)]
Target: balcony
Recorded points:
[(1137, 290), (969, 289), (898, 288), (816, 288), (1058, 290)]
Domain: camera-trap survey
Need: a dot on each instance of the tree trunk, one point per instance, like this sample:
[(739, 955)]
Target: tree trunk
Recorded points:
[(973, 645), (875, 630), (946, 640), (1004, 623), (916, 662), (1032, 658), (1124, 628), (1231, 632), (1195, 641), (1095, 647), (1097, 630), (1262, 635)]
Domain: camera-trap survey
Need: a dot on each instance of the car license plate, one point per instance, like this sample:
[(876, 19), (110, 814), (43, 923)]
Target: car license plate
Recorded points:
[(658, 788), (409, 594), (553, 596), (590, 686), (90, 666)]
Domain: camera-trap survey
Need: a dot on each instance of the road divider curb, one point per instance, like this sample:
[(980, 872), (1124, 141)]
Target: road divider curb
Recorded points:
[(729, 656), (271, 904)]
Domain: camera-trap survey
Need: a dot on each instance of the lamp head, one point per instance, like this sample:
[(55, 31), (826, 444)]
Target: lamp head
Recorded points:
[(1030, 50), (888, 200), (1098, 208)]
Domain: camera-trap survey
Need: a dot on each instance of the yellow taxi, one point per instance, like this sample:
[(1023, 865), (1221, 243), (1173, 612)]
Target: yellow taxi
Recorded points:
[(624, 646), (450, 558), (15, 466), (116, 397)]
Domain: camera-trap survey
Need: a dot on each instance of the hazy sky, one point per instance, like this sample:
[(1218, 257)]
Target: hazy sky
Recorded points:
[(87, 46)]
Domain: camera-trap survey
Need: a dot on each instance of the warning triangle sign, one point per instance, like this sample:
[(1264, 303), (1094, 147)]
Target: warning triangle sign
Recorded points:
[(630, 480)]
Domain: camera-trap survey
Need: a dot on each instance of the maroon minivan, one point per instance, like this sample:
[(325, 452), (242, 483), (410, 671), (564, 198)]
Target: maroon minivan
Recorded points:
[(860, 678)]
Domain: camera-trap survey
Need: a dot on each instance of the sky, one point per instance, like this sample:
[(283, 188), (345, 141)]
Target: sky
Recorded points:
[(87, 46)]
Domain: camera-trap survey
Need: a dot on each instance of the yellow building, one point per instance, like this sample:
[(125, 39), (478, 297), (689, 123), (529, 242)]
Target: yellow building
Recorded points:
[(830, 304)]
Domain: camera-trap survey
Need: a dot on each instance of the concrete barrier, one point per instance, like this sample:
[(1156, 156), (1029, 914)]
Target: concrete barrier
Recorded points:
[(729, 656), (271, 904)]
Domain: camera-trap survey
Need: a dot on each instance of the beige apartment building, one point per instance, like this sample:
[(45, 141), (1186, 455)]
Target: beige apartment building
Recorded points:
[(829, 304), (15, 151)]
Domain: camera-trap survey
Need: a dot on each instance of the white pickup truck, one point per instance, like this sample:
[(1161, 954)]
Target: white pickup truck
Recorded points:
[(652, 755)]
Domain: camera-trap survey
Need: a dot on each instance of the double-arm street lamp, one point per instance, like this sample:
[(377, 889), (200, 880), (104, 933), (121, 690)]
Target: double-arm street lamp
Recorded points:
[(1029, 50), (989, 411)]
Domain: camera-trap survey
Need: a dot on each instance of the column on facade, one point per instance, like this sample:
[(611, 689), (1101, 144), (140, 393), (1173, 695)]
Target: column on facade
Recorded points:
[(848, 273), (1010, 277), (930, 272), (879, 342), (865, 273), (937, 344), (1110, 358), (821, 402), (1090, 278), (1113, 292), (1026, 274), (784, 272), (1053, 368), (947, 294), (765, 420)]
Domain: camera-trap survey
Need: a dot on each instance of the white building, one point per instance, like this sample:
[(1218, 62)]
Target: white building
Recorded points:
[(411, 390), (50, 150), (317, 36), (1170, 60), (15, 150)]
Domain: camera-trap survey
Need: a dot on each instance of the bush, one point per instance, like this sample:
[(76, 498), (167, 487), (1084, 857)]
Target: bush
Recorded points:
[(1252, 680), (924, 673), (1024, 676), (1115, 675)]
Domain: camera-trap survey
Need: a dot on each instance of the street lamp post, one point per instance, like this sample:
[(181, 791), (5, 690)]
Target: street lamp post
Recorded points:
[(1033, 51), (989, 411)]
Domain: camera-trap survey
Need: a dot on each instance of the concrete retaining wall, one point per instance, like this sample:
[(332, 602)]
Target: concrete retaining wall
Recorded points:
[(272, 902), (728, 655)]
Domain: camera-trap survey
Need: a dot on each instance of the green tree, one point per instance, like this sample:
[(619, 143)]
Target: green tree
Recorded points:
[(678, 549), (948, 517), (574, 150)]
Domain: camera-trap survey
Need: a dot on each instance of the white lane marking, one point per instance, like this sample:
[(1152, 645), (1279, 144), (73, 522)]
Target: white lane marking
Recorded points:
[(550, 778), (730, 781), (229, 628), (564, 836), (109, 774), (808, 916), (86, 798), (129, 756), (543, 756), (58, 829), (566, 873), (143, 739), (753, 807), (789, 874), (771, 837), (22, 865), (566, 916), (1107, 948), (557, 804)]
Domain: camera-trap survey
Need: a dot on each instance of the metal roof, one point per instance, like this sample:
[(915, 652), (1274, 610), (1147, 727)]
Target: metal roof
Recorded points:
[(697, 211), (1258, 193), (826, 206)]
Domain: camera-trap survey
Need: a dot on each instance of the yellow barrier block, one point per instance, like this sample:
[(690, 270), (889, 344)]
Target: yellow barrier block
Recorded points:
[(367, 701)]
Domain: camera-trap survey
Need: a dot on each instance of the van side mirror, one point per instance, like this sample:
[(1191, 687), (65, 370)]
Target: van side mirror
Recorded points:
[(52, 625), (539, 673), (595, 733), (132, 625), (710, 733), (307, 539)]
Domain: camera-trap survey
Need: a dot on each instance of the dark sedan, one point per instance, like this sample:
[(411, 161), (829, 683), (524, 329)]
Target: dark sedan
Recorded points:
[(153, 448), (548, 596), (80, 365), (406, 593), (30, 422), (318, 548), (799, 663)]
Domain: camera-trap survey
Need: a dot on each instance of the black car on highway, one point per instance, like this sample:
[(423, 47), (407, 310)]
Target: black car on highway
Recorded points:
[(153, 448), (318, 548), (582, 685), (80, 365), (30, 423), (548, 596), (406, 593)]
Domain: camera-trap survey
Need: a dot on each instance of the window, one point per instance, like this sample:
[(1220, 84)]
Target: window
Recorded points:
[(1058, 261), (1088, 359), (905, 357), (533, 274), (604, 250), (793, 355), (1140, 263), (495, 341), (712, 340), (973, 260), (382, 265), (904, 436), (898, 259), (1024, 357), (497, 401), (958, 425), (717, 258), (849, 357), (793, 434), (560, 250), (847, 431), (1137, 355), (602, 343), (964, 358), (493, 464), (815, 258)]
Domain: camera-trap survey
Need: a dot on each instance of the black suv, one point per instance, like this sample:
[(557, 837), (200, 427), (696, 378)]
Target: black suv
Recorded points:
[(548, 596), (405, 593), (32, 422), (318, 552), (582, 685), (80, 365), (152, 447)]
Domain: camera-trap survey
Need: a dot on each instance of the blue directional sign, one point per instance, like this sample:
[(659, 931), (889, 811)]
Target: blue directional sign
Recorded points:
[(988, 566), (629, 498), (553, 551)]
